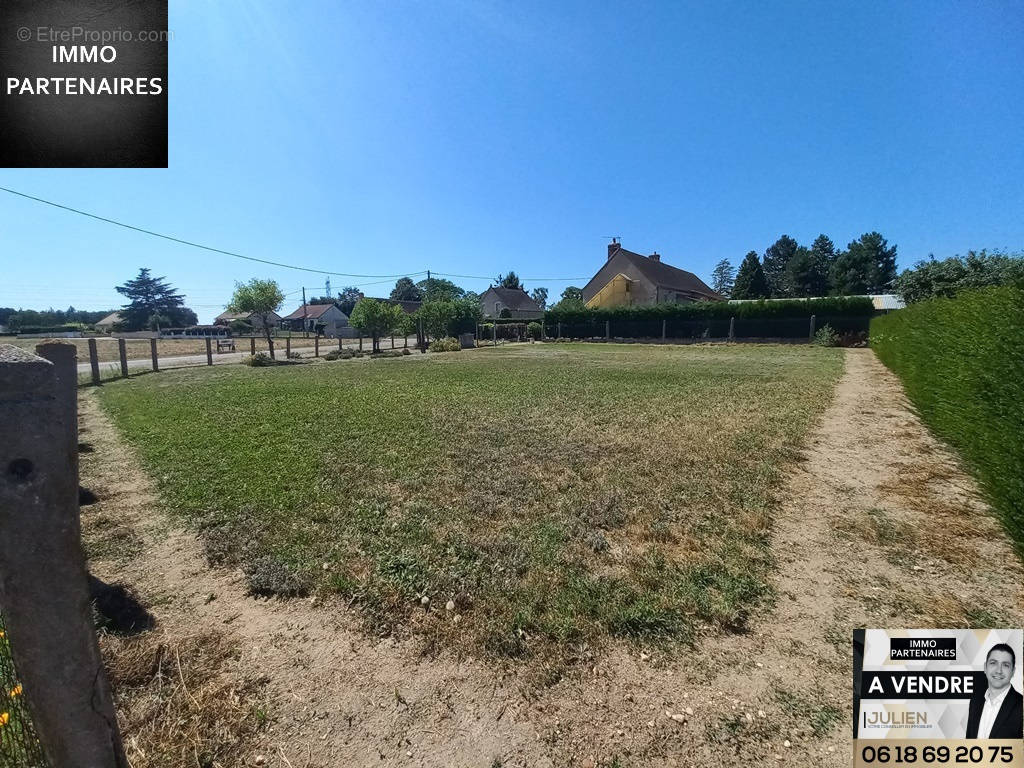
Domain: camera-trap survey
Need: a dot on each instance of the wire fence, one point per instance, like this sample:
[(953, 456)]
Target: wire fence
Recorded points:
[(19, 747)]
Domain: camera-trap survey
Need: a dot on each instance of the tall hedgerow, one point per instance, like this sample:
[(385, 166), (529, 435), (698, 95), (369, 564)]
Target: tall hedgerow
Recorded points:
[(962, 365)]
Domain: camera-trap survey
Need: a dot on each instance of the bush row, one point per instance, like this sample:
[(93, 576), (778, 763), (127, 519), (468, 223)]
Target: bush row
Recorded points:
[(846, 306), (962, 364)]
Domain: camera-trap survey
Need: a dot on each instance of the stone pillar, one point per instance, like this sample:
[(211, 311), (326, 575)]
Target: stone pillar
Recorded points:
[(814, 319), (43, 581)]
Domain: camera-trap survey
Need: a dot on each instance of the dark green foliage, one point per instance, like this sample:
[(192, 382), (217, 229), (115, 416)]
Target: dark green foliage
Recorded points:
[(868, 265), (751, 282), (406, 290), (348, 298), (948, 277), (540, 295), (828, 305), (439, 289), (511, 280), (534, 330), (806, 274), (961, 362), (776, 257), (149, 296), (23, 320)]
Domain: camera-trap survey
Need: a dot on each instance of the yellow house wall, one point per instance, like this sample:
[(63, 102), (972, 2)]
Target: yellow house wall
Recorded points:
[(617, 292)]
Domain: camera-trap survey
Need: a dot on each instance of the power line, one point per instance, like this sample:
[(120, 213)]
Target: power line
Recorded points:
[(531, 279), (186, 242)]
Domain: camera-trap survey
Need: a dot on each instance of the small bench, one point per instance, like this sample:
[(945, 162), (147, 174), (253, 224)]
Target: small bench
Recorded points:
[(225, 345)]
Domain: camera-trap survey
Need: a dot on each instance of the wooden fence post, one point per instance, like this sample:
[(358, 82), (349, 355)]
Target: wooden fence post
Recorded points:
[(252, 345), (43, 581), (559, 329), (607, 330), (732, 329), (153, 354), (392, 341), (122, 352), (360, 342), (209, 351), (494, 334), (94, 361), (339, 342), (316, 345), (663, 323), (288, 346), (813, 320)]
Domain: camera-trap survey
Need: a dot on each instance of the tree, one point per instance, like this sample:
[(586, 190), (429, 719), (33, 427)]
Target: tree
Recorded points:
[(868, 265), (849, 274), (376, 319), (540, 295), (437, 317), (406, 290), (948, 277), (572, 298), (776, 257), (723, 276), (511, 280), (805, 275), (348, 298), (439, 289), (149, 296), (260, 298), (750, 280)]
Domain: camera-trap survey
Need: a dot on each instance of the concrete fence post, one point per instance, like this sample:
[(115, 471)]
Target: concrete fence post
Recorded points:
[(43, 581), (252, 345), (122, 352), (732, 329), (209, 352), (94, 362), (663, 324), (814, 319), (153, 355)]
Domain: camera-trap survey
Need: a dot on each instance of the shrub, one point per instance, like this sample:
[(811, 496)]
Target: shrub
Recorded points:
[(268, 576), (826, 336), (534, 331), (259, 360), (406, 351), (448, 344), (960, 361)]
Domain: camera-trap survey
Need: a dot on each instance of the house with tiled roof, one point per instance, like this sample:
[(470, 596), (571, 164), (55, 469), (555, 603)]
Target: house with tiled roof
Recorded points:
[(629, 279), (325, 319), (513, 302)]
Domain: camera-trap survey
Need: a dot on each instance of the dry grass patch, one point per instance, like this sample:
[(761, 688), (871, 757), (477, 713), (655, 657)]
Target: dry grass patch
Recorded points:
[(522, 500), (179, 703)]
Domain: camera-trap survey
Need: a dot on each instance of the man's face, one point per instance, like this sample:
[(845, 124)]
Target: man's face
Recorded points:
[(999, 670)]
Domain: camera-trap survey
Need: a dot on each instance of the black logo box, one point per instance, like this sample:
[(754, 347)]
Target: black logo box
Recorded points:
[(83, 130)]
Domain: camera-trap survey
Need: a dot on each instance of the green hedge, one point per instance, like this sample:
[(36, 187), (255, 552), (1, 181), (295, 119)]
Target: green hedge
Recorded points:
[(845, 306), (962, 364)]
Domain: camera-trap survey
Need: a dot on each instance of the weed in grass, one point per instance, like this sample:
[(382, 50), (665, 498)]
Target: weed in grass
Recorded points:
[(813, 713), (478, 478)]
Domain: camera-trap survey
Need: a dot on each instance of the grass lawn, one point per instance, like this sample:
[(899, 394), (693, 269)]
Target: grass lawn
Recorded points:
[(556, 494)]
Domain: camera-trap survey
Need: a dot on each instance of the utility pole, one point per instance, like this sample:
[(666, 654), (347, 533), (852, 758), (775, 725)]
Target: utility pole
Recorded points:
[(305, 333), (428, 285)]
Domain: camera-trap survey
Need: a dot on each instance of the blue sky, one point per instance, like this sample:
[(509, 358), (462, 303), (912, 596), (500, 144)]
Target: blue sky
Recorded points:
[(477, 136)]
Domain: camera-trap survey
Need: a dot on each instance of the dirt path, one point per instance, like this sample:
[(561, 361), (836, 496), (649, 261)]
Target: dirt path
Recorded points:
[(877, 527)]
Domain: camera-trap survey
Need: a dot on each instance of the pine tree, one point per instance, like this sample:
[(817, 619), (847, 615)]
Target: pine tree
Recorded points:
[(723, 278), (776, 257), (406, 290), (750, 280), (806, 274), (511, 280), (152, 296)]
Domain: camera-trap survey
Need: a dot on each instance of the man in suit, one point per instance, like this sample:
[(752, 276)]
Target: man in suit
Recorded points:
[(998, 713)]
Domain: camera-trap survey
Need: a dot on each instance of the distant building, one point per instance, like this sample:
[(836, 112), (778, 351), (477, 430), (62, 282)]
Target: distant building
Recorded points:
[(107, 323), (630, 279), (226, 318), (496, 299), (325, 319)]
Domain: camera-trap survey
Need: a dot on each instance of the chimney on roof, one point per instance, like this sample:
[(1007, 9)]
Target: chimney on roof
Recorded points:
[(613, 247), (655, 256)]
